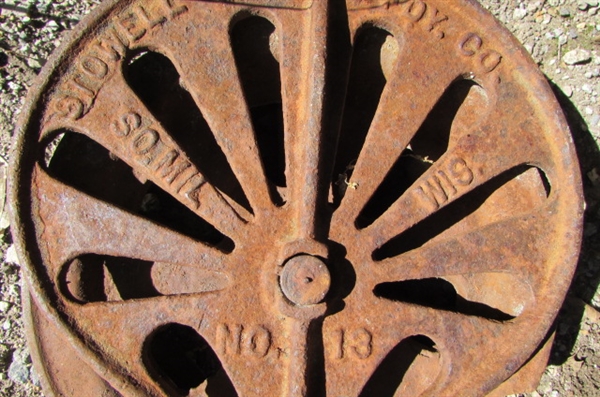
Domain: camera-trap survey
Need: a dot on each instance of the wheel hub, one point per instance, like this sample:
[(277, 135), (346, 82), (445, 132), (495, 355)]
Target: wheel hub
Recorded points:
[(292, 197)]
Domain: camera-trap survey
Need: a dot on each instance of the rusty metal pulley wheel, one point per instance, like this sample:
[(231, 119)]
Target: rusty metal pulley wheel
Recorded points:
[(295, 198)]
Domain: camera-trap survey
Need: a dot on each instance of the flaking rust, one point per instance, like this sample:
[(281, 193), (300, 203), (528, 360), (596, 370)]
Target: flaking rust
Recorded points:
[(180, 189)]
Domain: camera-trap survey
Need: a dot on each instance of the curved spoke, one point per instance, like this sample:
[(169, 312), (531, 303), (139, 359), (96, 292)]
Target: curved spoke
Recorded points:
[(129, 130), (503, 247), (81, 224), (400, 114), (213, 70)]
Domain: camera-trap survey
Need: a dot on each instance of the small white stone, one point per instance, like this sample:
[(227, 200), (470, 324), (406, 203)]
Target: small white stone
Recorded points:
[(547, 19), (11, 255), (577, 56), (562, 39), (519, 13), (586, 88), (6, 325), (568, 91), (4, 306)]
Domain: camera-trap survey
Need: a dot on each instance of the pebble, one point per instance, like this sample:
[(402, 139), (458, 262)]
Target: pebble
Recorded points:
[(11, 255), (568, 91), (577, 56), (562, 40), (4, 221), (582, 5), (35, 378), (586, 88), (519, 13), (7, 325), (18, 372), (4, 306), (595, 120), (564, 12), (589, 111)]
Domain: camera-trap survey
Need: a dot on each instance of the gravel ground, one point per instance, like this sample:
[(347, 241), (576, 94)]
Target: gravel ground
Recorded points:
[(563, 37)]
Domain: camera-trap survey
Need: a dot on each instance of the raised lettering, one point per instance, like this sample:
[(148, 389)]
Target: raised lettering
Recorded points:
[(257, 342), (362, 343), (145, 141), (193, 185), (69, 107), (433, 191), (236, 339), (94, 67), (471, 44), (353, 344), (434, 21), (490, 61), (460, 172), (175, 11), (130, 24), (172, 165), (83, 86), (112, 45), (123, 126), (141, 11), (229, 339), (444, 184), (416, 10)]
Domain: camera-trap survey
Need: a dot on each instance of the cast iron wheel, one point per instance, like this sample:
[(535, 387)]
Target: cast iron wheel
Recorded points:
[(192, 223)]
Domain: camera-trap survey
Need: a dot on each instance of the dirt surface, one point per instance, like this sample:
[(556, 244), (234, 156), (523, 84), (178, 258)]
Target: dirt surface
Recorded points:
[(563, 37)]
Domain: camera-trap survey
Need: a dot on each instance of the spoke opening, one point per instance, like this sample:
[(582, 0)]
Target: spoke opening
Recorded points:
[(181, 360), (98, 278), (435, 136), (514, 192), (255, 43), (374, 54), (440, 294), (87, 166), (153, 77), (80, 162), (393, 372), (159, 206)]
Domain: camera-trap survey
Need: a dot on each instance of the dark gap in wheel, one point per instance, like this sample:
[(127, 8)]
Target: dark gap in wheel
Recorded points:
[(253, 41), (179, 358), (101, 278), (432, 139), (545, 182), (365, 86), (426, 147), (159, 206), (437, 293), (388, 376), (153, 77), (315, 373), (89, 167), (446, 217)]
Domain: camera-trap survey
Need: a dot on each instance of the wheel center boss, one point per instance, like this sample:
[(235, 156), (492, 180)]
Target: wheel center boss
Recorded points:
[(293, 198)]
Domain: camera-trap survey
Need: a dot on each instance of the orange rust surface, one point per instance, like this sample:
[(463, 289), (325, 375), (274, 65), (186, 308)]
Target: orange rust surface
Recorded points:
[(296, 198)]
